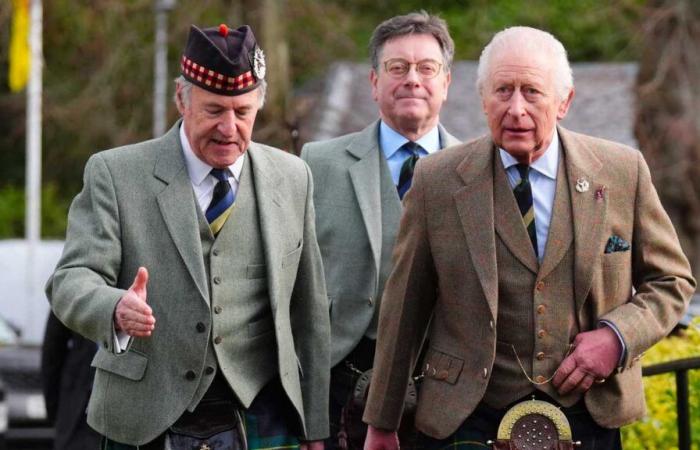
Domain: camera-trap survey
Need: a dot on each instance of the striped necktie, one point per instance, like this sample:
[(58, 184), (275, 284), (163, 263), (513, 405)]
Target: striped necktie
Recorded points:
[(221, 203), (406, 174), (523, 195)]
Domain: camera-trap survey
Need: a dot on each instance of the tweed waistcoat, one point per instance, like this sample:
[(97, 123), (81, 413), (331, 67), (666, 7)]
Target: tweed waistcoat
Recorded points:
[(242, 339), (391, 216), (536, 317)]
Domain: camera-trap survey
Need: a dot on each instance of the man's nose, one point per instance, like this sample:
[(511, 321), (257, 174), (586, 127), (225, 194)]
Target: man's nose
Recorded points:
[(412, 78), (227, 123), (517, 104)]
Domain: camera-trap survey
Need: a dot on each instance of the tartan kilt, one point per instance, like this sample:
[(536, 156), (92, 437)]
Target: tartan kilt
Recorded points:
[(270, 423)]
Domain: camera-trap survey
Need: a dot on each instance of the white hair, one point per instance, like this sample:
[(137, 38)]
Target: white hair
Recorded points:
[(186, 91), (530, 41)]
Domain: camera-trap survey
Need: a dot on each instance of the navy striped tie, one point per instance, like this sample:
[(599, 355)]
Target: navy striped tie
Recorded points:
[(406, 174), (222, 202), (523, 195)]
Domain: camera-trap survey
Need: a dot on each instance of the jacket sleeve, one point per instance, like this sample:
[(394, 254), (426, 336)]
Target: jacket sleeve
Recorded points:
[(81, 290), (311, 326), (661, 276), (407, 305)]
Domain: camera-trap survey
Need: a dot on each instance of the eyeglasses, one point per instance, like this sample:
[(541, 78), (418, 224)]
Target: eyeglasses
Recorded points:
[(399, 68)]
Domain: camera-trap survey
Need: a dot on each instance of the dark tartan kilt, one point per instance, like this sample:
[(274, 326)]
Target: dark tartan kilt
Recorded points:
[(271, 423)]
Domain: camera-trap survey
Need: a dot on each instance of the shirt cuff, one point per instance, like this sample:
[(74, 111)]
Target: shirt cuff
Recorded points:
[(121, 340), (623, 353)]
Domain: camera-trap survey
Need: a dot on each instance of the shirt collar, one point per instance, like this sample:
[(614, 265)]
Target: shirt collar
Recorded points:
[(546, 164), (198, 169), (390, 140)]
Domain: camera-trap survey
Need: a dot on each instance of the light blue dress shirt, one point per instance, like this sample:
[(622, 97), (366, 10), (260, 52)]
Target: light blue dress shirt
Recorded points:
[(390, 142)]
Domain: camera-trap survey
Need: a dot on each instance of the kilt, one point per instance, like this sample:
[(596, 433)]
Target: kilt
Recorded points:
[(270, 423)]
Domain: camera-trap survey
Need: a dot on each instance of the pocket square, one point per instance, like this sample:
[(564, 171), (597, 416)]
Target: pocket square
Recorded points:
[(616, 244)]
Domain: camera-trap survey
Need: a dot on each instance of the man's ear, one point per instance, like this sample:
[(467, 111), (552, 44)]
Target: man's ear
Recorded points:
[(178, 100), (565, 104)]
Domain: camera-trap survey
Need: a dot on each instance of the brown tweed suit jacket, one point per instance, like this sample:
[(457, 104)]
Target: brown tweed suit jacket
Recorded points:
[(445, 267)]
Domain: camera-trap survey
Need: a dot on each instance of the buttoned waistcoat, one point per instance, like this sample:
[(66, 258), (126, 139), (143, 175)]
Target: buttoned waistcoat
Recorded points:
[(445, 266)]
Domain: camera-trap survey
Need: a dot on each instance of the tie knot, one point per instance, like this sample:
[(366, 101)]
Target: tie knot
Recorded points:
[(220, 174), (524, 170), (412, 147)]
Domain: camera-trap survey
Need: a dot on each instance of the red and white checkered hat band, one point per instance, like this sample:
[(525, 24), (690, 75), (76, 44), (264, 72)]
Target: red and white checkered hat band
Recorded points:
[(218, 81)]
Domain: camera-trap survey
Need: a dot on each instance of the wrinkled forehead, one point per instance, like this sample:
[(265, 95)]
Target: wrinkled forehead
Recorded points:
[(516, 61)]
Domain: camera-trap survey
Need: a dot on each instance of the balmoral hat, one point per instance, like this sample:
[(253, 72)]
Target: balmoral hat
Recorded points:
[(223, 60)]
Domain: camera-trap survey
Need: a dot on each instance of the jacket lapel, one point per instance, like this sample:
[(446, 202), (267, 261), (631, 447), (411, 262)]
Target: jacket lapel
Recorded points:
[(588, 211), (508, 221), (366, 182), (475, 206), (446, 139), (268, 183), (180, 216)]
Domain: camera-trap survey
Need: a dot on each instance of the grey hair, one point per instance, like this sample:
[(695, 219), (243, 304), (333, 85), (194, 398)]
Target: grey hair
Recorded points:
[(530, 41), (414, 23), (186, 91)]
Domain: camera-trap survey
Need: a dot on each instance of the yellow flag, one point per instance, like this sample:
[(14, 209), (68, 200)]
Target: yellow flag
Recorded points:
[(19, 46)]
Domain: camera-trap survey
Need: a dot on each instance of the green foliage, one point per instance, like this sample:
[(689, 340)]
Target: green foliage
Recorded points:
[(54, 210), (658, 430)]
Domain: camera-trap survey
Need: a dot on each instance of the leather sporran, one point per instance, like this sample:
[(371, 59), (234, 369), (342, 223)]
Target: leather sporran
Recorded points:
[(353, 430), (534, 424)]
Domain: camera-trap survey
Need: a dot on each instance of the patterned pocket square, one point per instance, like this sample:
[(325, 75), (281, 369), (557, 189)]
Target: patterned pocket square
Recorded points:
[(616, 244)]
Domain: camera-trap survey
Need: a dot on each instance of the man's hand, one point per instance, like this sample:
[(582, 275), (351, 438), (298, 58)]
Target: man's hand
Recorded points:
[(595, 356), (133, 315), (381, 439), (311, 445)]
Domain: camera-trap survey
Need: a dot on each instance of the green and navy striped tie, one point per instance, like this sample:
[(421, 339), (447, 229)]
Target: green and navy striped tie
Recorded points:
[(523, 195), (409, 164)]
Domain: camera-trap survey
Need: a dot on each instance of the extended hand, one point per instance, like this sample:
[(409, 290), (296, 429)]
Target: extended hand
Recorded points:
[(133, 315), (381, 439), (594, 358)]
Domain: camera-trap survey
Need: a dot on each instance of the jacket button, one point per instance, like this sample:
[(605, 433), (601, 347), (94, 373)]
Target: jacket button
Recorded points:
[(217, 340), (218, 309), (540, 356), (485, 373), (540, 285), (541, 309), (190, 375), (541, 334), (201, 327), (215, 252), (442, 375), (217, 280), (209, 370)]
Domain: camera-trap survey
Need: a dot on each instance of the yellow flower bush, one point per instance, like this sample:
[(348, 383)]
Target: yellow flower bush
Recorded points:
[(659, 429)]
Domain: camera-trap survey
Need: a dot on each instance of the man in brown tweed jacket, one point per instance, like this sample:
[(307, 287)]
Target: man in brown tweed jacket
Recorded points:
[(545, 260)]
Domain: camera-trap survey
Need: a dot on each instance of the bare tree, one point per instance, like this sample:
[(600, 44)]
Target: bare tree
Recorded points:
[(668, 113)]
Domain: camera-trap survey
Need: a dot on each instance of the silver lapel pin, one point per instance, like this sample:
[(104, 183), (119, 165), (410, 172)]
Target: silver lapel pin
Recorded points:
[(582, 185)]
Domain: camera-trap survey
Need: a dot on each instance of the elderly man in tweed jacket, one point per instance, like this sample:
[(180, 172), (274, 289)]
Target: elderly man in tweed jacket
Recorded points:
[(545, 258)]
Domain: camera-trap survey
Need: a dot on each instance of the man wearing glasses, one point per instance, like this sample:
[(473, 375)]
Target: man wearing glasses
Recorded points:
[(362, 177)]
